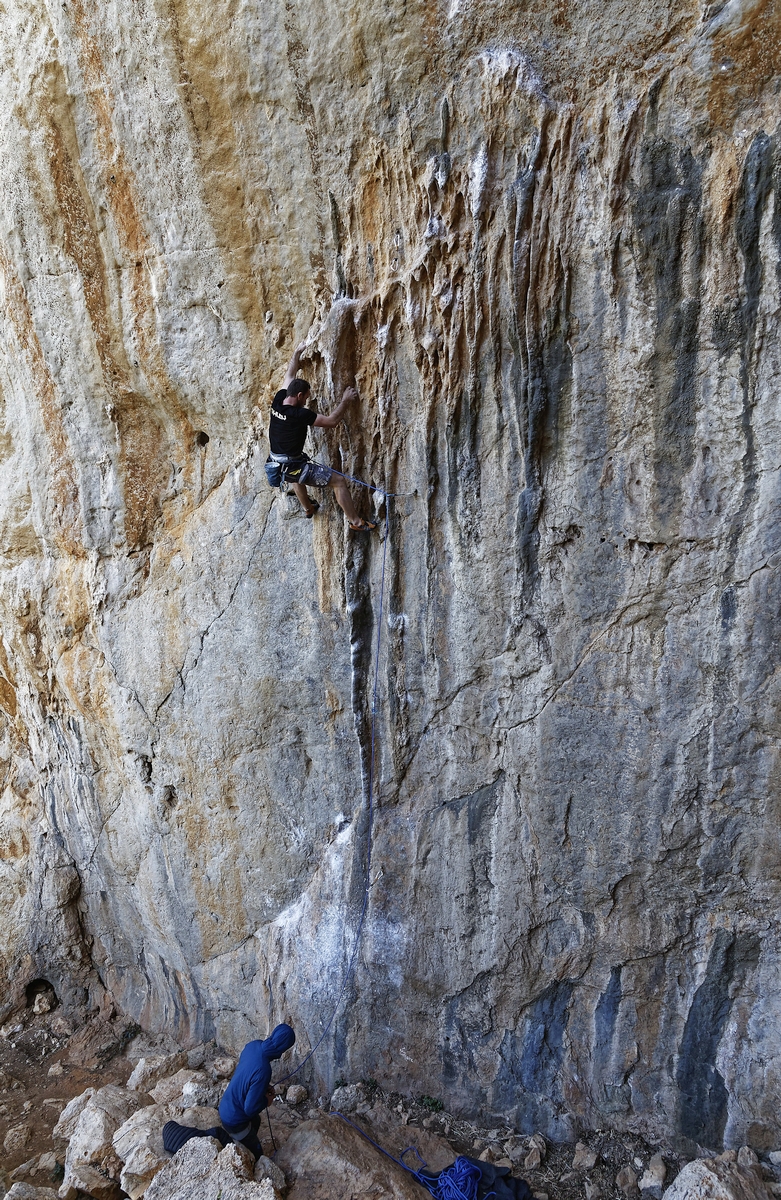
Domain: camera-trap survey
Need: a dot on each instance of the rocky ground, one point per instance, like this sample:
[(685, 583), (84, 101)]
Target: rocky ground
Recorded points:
[(81, 1114)]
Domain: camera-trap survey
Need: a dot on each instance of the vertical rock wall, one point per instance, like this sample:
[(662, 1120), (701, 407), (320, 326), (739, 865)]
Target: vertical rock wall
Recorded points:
[(544, 242)]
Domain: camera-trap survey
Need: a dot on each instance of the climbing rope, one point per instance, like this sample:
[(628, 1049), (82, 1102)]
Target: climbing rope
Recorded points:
[(370, 805), (457, 1182), (270, 1130), (369, 486)]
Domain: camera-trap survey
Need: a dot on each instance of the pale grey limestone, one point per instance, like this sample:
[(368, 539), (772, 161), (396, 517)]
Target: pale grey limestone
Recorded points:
[(28, 1191), (70, 1114), (149, 1070), (219, 1175), (138, 1144), (546, 248), (90, 1164), (709, 1179), (327, 1158)]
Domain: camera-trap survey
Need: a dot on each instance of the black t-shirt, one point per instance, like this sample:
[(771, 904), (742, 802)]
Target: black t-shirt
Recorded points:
[(288, 425)]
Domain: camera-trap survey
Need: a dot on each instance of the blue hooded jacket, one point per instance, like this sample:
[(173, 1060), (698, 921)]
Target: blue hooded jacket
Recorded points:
[(245, 1095)]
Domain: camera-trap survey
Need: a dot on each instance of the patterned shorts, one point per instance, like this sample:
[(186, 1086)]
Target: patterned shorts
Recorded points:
[(316, 475)]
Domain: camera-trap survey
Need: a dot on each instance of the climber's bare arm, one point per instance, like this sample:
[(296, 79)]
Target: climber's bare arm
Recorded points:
[(335, 417), (292, 369)]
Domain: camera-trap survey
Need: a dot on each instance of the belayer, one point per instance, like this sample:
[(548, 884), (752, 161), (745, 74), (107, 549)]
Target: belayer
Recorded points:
[(244, 1099), (248, 1092), (288, 425)]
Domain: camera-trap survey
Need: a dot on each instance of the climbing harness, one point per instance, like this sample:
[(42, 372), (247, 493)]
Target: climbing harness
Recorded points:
[(457, 1182), (282, 468)]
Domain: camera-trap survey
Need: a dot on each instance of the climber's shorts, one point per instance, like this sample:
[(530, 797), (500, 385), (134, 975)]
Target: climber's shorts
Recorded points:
[(316, 475)]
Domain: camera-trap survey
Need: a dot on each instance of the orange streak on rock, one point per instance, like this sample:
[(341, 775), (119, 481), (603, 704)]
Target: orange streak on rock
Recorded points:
[(64, 488)]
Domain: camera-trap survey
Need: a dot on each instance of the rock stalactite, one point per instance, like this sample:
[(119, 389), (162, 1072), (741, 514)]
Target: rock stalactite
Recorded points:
[(543, 241)]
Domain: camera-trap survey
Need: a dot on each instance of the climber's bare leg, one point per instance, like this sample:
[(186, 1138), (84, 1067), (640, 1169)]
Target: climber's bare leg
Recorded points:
[(344, 499), (303, 496)]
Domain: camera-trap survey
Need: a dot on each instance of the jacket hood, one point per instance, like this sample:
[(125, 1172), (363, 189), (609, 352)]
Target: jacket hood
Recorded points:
[(281, 1039)]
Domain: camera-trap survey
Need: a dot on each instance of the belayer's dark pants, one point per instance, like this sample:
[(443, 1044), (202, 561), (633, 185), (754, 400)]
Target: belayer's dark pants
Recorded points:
[(250, 1139)]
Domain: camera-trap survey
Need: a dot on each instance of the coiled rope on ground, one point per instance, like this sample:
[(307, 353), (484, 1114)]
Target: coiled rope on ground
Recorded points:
[(457, 1182)]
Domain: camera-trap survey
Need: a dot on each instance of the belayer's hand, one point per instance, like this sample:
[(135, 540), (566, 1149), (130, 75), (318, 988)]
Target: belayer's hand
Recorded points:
[(271, 1095)]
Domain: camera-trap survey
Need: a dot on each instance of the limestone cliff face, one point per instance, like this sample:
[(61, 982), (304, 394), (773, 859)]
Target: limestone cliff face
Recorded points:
[(545, 242)]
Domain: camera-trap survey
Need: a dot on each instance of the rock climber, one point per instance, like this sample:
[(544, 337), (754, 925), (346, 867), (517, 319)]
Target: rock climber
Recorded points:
[(244, 1099), (288, 424)]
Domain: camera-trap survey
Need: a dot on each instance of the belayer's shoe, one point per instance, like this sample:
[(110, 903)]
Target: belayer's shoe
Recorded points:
[(364, 526)]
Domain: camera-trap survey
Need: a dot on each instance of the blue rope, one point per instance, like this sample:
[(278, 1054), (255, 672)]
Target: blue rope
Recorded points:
[(370, 486), (351, 964), (457, 1182), (377, 1146), (460, 1182)]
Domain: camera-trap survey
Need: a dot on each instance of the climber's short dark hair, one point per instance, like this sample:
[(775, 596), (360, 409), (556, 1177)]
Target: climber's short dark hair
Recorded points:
[(297, 387)]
